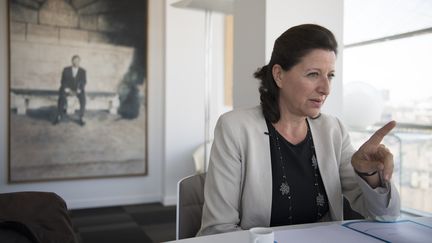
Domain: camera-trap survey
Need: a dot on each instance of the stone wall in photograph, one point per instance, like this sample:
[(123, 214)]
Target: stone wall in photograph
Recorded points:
[(46, 34)]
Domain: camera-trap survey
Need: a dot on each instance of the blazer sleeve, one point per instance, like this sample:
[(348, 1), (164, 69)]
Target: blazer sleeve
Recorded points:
[(222, 187), (381, 203)]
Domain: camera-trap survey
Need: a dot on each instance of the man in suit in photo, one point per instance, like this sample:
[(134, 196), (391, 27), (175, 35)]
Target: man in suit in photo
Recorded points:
[(73, 83)]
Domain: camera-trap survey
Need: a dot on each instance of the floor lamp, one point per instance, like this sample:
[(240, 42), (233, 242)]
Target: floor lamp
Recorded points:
[(208, 6)]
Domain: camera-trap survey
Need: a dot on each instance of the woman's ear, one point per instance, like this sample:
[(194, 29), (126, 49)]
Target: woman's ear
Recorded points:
[(277, 73)]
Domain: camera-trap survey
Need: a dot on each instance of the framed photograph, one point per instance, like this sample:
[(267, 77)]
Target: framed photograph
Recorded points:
[(77, 89)]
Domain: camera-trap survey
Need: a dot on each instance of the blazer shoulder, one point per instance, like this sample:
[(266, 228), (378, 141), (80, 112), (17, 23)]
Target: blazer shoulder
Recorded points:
[(242, 116)]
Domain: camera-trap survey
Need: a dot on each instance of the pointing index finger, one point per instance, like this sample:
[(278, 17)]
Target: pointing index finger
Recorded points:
[(379, 135)]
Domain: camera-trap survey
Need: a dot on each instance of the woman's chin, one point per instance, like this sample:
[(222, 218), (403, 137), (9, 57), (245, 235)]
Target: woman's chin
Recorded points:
[(314, 113)]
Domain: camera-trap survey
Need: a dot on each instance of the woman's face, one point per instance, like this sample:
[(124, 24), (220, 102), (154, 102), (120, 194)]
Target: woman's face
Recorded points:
[(305, 87)]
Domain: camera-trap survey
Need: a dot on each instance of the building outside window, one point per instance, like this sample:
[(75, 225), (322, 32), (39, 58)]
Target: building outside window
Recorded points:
[(388, 50)]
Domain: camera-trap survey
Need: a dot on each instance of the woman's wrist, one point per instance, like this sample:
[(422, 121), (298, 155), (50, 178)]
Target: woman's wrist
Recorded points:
[(372, 179), (366, 174)]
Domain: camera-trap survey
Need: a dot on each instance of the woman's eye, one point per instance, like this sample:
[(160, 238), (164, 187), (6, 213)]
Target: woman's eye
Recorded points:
[(313, 75), (331, 76)]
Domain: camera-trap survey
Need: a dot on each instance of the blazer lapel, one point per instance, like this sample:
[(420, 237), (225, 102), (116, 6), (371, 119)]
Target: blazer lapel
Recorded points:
[(267, 178), (257, 183), (328, 166)]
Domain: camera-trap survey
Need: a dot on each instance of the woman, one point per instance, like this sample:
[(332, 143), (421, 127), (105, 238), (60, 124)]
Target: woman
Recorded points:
[(286, 163)]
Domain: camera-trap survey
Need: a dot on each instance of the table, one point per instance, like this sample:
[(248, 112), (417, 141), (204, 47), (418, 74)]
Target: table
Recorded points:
[(243, 236)]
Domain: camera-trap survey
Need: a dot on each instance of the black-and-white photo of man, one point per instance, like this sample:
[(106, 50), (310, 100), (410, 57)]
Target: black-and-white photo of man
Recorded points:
[(73, 83), (77, 72)]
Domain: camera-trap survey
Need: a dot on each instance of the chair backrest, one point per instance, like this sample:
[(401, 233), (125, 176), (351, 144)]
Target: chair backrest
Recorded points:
[(198, 157), (190, 200)]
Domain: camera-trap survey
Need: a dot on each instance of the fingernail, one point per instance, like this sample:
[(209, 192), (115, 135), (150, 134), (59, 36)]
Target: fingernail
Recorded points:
[(387, 177)]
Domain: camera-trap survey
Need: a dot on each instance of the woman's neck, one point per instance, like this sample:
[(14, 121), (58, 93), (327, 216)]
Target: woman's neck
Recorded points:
[(293, 128)]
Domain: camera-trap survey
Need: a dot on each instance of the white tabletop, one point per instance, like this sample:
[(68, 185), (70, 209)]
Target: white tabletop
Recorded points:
[(243, 236)]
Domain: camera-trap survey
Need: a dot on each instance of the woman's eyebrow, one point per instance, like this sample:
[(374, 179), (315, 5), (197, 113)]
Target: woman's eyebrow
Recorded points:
[(319, 69), (312, 69)]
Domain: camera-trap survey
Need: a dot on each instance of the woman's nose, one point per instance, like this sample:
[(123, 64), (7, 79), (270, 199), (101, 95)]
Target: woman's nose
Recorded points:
[(324, 87)]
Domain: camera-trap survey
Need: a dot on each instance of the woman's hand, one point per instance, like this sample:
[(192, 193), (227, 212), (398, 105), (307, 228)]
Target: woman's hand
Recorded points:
[(373, 156)]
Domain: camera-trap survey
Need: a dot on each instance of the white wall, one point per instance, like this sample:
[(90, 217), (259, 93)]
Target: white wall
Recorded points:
[(101, 192), (258, 24), (249, 50), (184, 89)]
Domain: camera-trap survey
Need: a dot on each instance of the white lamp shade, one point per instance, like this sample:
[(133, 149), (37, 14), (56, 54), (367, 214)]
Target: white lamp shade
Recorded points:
[(224, 6), (363, 105)]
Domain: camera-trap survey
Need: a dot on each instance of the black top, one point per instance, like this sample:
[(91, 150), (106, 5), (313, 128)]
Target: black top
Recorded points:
[(308, 197)]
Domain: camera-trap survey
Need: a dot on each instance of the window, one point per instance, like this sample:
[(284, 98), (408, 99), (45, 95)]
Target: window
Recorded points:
[(388, 46)]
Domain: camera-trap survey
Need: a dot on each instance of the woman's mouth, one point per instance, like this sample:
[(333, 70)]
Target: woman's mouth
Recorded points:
[(317, 103)]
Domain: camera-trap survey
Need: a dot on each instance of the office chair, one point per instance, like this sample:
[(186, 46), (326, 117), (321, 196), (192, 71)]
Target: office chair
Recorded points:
[(34, 217), (190, 200)]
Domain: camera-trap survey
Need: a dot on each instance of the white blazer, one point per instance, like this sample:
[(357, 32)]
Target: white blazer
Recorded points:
[(238, 186)]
